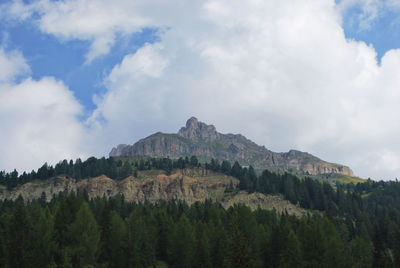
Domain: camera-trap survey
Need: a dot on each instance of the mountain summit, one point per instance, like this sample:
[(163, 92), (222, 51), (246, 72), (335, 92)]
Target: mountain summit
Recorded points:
[(196, 131), (203, 141)]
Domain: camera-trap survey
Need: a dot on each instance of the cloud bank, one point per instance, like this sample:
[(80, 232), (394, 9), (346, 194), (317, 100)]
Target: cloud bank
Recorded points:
[(39, 119), (280, 72)]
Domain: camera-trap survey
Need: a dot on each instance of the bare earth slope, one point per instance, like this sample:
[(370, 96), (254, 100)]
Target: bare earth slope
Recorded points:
[(189, 185), (203, 141)]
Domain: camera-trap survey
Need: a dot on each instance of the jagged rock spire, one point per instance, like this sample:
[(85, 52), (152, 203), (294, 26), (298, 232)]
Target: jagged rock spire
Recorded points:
[(196, 130)]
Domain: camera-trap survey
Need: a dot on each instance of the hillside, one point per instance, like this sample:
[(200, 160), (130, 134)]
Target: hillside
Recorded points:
[(189, 185), (352, 225), (203, 141)]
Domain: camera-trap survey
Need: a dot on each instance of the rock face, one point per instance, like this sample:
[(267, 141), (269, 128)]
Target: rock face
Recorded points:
[(202, 140), (268, 202), (198, 131), (33, 190), (189, 185)]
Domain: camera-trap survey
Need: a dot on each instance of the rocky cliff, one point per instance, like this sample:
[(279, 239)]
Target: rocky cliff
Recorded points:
[(189, 185), (202, 140)]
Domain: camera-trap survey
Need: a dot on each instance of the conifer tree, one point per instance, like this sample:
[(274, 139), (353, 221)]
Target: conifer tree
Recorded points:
[(118, 235), (43, 243), (291, 254), (183, 243), (19, 238), (86, 237)]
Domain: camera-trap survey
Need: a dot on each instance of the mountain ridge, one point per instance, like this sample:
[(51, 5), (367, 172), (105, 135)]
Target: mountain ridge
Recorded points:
[(204, 141)]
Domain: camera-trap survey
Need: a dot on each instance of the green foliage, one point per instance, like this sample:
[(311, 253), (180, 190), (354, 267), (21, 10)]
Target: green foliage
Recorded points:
[(117, 241), (291, 254), (43, 242), (20, 237), (117, 169), (114, 233), (85, 238), (140, 244), (182, 243), (356, 226)]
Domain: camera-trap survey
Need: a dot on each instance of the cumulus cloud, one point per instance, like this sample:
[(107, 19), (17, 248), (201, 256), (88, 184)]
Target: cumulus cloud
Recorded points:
[(284, 75), (12, 65), (98, 22), (280, 72), (38, 118)]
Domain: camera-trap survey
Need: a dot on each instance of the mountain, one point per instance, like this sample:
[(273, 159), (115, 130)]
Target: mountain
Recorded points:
[(203, 141)]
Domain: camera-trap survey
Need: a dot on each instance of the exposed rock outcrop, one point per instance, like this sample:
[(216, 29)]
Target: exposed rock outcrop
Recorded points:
[(189, 185), (198, 131), (202, 140), (268, 202), (34, 190)]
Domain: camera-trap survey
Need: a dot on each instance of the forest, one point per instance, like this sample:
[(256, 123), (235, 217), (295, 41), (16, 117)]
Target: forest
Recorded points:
[(348, 226)]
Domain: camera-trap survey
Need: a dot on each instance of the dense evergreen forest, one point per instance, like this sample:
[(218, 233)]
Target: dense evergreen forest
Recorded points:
[(72, 231), (352, 225)]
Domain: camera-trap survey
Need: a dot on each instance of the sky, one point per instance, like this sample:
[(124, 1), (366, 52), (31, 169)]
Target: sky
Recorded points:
[(78, 77)]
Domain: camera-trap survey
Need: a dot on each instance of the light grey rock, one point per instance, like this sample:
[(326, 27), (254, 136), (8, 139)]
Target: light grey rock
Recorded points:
[(203, 141)]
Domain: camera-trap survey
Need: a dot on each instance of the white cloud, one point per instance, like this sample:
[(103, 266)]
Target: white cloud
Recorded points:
[(12, 64), (281, 72), (38, 119), (98, 22), (145, 62), (88, 22)]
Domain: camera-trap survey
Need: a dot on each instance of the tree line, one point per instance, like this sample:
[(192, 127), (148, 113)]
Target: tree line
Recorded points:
[(116, 169), (73, 231), (365, 216)]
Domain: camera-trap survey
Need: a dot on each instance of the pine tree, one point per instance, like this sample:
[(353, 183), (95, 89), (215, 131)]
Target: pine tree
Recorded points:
[(291, 254), (241, 238), (105, 236), (183, 243), (226, 167), (239, 251), (335, 254), (139, 244), (396, 252), (126, 170), (118, 235), (43, 199), (19, 238), (86, 237), (194, 161), (236, 170), (43, 243), (203, 249), (362, 249)]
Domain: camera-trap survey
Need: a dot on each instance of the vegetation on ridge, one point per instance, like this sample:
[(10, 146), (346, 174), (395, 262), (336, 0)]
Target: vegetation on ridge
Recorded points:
[(358, 225), (75, 231)]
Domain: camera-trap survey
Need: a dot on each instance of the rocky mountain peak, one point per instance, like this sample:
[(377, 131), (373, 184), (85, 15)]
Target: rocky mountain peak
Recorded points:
[(196, 131), (203, 141), (192, 122), (119, 150)]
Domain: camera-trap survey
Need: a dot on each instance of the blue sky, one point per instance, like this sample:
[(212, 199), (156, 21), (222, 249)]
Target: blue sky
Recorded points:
[(78, 77), (65, 59), (383, 32)]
